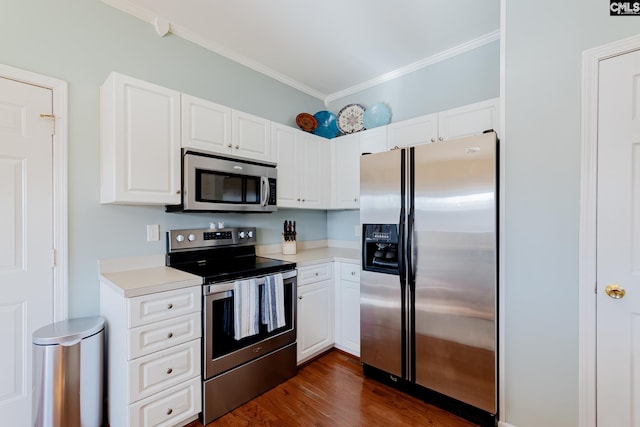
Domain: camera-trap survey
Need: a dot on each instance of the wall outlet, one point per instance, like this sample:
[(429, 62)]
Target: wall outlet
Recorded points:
[(153, 232), (358, 230)]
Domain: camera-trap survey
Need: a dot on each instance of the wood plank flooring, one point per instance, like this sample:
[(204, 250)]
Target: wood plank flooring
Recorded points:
[(331, 391)]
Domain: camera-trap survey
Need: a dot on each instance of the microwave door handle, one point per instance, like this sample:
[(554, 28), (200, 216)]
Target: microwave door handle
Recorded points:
[(265, 191)]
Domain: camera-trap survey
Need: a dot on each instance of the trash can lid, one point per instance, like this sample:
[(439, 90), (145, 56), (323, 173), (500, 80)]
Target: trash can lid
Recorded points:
[(68, 331)]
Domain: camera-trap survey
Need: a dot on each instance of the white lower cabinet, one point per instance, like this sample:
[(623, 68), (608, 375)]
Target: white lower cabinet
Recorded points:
[(347, 321), (315, 310), (154, 356)]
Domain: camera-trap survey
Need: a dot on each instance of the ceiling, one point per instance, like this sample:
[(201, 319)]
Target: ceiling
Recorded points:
[(326, 49)]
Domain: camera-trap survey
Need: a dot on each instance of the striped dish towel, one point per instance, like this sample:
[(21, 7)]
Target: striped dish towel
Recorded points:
[(246, 308), (273, 302)]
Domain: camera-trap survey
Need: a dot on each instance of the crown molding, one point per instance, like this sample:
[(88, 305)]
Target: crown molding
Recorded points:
[(153, 19)]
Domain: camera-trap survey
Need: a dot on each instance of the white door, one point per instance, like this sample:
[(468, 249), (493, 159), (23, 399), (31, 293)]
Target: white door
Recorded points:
[(26, 227), (618, 247)]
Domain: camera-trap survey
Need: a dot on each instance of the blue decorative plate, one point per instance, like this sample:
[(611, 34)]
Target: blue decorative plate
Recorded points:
[(327, 124), (376, 115)]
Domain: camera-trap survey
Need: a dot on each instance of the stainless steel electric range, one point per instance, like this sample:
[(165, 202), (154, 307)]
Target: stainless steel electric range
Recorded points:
[(237, 368)]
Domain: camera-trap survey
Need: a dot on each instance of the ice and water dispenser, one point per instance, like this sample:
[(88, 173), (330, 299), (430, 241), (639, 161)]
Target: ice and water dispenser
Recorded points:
[(380, 249)]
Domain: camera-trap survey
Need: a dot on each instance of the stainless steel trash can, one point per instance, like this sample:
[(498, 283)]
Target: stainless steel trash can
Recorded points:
[(68, 371)]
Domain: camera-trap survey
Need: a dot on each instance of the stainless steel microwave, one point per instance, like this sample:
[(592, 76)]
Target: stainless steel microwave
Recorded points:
[(215, 183)]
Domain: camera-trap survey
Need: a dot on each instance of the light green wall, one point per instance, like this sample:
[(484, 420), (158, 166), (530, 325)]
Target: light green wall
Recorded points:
[(463, 79), (544, 43)]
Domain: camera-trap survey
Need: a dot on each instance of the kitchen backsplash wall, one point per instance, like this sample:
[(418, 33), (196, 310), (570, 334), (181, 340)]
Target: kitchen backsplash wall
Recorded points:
[(341, 225)]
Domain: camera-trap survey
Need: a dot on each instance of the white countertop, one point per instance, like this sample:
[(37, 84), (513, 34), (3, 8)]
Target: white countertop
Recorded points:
[(132, 277), (320, 255), (136, 282)]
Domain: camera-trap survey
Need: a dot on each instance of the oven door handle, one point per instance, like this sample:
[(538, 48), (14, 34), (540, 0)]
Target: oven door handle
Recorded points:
[(219, 288), (265, 191)]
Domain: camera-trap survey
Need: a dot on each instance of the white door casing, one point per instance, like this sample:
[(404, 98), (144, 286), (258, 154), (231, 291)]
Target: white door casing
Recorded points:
[(33, 225), (605, 217)]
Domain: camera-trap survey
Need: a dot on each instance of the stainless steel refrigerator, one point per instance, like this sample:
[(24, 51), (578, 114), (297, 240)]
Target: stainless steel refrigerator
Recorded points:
[(428, 286)]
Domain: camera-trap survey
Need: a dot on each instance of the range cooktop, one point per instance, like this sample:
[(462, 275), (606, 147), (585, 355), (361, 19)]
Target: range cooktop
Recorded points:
[(220, 255)]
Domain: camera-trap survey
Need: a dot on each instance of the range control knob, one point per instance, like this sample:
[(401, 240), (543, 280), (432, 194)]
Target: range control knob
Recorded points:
[(191, 237), (250, 234), (241, 234), (180, 238)]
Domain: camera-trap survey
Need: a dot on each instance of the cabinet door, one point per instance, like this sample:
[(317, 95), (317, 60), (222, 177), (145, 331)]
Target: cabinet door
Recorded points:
[(140, 142), (251, 136), (468, 120), (284, 154), (350, 316), (346, 171), (205, 125), (315, 319), (412, 132), (373, 140), (313, 170)]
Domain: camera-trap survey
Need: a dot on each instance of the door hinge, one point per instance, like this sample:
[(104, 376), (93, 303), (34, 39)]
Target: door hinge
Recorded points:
[(53, 257), (53, 121)]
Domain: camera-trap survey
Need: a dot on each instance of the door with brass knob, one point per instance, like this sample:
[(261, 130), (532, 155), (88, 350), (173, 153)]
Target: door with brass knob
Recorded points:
[(618, 243)]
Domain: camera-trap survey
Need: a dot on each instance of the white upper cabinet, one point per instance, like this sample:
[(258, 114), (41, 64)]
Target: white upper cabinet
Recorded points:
[(250, 136), (284, 151), (345, 171), (458, 122), (205, 125), (468, 120), (303, 168), (345, 164), (212, 127), (419, 130), (140, 142)]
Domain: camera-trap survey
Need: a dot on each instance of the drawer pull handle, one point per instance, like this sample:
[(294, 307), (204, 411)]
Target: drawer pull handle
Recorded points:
[(170, 306), (169, 411), (169, 371), (170, 335)]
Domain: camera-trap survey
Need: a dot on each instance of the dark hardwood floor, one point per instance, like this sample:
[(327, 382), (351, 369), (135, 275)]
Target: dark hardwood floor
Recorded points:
[(331, 391)]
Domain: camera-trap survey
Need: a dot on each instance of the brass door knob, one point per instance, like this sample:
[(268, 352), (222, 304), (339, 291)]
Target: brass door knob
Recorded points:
[(615, 291)]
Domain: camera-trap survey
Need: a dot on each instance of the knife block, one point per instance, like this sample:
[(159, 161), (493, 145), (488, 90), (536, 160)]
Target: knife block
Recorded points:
[(289, 247)]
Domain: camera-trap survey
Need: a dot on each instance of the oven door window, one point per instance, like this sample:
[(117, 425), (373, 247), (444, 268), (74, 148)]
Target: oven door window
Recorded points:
[(223, 341), (217, 187)]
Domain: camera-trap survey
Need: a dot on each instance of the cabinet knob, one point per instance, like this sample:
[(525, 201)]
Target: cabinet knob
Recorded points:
[(230, 146), (433, 140), (170, 335), (441, 139), (170, 306), (237, 147), (169, 411), (300, 297), (355, 200), (169, 371), (178, 192), (353, 273), (302, 200), (298, 199), (316, 273)]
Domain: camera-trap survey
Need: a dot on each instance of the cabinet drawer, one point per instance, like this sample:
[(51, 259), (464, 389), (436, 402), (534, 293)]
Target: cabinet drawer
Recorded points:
[(169, 407), (350, 272), (154, 337), (314, 273), (164, 305), (156, 372)]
